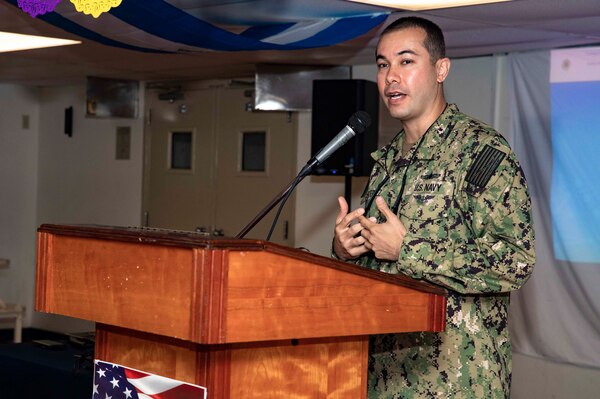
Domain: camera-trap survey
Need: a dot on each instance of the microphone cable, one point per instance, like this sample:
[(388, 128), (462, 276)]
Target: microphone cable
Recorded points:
[(297, 180)]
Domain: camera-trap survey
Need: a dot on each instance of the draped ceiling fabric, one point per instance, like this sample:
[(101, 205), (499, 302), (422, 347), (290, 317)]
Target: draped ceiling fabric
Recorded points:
[(180, 26), (556, 315)]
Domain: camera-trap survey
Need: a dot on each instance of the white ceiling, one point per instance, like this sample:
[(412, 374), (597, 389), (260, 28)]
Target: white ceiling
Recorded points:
[(519, 25)]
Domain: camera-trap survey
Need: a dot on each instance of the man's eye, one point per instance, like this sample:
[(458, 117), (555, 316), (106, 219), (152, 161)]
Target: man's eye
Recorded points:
[(381, 65), (406, 62)]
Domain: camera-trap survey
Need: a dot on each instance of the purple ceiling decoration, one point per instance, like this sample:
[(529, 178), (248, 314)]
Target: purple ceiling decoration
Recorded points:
[(37, 7)]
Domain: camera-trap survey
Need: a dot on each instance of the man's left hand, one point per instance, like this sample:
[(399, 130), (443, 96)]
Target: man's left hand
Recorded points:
[(384, 239)]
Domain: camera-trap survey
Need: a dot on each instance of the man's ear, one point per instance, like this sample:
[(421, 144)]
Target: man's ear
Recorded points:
[(442, 68)]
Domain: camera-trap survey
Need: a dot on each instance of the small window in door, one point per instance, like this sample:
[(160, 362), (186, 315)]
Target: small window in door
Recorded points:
[(181, 151), (254, 151)]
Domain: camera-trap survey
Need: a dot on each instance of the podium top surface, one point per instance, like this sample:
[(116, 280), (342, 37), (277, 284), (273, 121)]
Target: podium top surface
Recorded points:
[(190, 239)]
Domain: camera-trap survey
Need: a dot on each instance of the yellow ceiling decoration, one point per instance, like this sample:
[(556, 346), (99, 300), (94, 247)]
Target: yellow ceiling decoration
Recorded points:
[(95, 7)]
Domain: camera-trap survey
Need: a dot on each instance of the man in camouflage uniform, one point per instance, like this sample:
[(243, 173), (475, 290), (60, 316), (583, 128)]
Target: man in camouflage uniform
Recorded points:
[(446, 202)]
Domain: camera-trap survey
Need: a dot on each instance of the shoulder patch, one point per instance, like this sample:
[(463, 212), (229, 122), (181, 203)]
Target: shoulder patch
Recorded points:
[(484, 166)]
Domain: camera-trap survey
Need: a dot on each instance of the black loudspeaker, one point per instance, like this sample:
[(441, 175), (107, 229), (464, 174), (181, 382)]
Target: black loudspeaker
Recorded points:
[(334, 101)]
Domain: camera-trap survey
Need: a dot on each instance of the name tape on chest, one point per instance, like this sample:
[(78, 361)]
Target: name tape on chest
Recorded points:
[(485, 165)]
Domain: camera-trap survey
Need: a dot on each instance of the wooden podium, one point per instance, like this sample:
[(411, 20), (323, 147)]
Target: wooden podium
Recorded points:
[(243, 318)]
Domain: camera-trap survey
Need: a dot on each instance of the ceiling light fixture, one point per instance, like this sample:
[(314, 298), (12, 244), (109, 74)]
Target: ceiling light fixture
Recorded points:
[(16, 42), (420, 5)]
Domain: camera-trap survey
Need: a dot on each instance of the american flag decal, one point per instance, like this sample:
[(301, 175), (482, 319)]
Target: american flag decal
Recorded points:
[(485, 166), (113, 381)]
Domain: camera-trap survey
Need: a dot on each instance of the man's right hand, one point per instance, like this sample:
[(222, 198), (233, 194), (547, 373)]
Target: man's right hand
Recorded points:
[(347, 242)]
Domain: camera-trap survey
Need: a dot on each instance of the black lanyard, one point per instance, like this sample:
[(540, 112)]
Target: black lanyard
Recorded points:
[(403, 185), (387, 177), (406, 165)]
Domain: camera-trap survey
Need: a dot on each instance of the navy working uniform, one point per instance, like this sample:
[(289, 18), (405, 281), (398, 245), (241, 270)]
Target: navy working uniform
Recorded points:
[(463, 199)]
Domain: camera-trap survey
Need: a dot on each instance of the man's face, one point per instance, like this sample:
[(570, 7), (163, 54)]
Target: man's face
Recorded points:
[(407, 80)]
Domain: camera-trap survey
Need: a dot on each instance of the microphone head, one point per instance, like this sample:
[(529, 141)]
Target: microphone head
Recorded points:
[(359, 121)]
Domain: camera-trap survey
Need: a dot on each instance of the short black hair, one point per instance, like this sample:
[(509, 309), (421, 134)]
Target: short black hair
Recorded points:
[(434, 38)]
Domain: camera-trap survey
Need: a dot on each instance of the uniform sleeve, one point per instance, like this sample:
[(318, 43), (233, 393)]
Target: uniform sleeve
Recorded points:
[(488, 245)]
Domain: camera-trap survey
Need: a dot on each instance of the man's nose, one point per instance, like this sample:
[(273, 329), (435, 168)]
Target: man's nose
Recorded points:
[(392, 75)]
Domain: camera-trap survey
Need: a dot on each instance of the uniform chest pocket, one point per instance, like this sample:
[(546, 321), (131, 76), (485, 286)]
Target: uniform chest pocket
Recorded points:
[(425, 212)]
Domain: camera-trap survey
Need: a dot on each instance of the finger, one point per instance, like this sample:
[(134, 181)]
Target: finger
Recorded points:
[(351, 217), (366, 234), (355, 229), (366, 223), (383, 208), (360, 240), (358, 251), (343, 210)]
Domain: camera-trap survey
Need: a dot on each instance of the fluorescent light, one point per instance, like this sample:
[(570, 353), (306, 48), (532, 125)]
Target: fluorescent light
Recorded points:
[(16, 42), (420, 5)]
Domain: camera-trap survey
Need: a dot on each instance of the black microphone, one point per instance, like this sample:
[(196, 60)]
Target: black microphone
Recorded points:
[(358, 123)]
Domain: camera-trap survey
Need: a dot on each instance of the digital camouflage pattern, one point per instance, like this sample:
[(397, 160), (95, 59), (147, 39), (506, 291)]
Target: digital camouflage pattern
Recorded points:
[(463, 199)]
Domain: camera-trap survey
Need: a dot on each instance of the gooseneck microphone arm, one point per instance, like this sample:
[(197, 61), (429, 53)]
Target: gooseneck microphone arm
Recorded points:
[(357, 124), (269, 206)]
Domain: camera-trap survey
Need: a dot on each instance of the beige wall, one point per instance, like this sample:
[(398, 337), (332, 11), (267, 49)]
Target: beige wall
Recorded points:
[(18, 193), (80, 181)]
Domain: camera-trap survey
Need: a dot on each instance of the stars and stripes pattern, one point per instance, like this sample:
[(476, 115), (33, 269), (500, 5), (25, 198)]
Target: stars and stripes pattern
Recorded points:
[(114, 381)]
